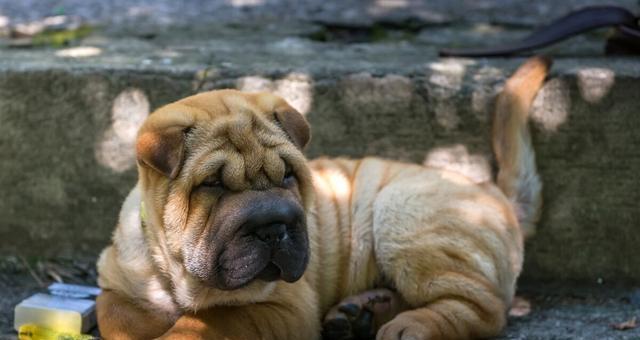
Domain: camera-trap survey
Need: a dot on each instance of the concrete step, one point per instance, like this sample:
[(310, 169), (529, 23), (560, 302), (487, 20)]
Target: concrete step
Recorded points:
[(68, 119)]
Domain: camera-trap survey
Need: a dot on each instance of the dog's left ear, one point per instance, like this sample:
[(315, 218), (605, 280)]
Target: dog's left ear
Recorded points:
[(295, 126)]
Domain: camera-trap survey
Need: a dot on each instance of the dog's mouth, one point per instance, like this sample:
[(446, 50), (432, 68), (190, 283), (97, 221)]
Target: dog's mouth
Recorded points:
[(270, 273), (288, 263), (273, 272)]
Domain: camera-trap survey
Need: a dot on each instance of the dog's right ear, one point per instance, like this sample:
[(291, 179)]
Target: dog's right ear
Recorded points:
[(163, 149), (295, 126)]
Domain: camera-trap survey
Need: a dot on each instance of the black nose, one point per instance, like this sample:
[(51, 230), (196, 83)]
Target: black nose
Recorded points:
[(272, 233)]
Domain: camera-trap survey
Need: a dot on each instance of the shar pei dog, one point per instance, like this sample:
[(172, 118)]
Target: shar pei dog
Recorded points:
[(230, 233)]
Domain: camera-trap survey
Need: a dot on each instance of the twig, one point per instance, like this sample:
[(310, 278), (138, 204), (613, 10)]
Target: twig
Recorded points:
[(31, 271)]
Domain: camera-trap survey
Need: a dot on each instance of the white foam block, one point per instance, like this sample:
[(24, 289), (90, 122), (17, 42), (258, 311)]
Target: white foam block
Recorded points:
[(74, 291), (59, 313)]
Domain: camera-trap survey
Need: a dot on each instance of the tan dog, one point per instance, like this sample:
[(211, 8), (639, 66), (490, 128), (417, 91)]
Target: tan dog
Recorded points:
[(231, 234)]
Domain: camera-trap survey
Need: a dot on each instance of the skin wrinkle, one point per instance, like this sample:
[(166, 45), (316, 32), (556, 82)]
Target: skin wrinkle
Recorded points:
[(236, 160), (206, 230), (441, 327), (468, 279), (345, 169), (344, 243), (338, 217)]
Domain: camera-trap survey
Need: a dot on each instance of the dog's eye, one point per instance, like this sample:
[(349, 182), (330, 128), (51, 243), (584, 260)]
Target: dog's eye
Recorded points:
[(288, 172), (212, 183)]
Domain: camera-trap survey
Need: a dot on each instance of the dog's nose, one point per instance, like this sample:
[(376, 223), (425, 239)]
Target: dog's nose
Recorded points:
[(273, 233)]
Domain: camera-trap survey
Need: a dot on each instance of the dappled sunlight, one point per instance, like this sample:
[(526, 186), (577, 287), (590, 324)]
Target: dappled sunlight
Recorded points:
[(243, 3), (487, 210), (488, 82), (332, 183), (79, 52), (116, 149), (295, 88), (254, 83), (448, 72), (384, 7), (37, 26), (595, 83), (391, 4), (455, 177), (168, 53), (551, 106), (444, 82), (457, 158), (484, 28), (158, 294), (139, 11), (404, 9)]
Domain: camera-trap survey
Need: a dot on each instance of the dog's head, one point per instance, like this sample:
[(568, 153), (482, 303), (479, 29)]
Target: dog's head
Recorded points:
[(224, 175)]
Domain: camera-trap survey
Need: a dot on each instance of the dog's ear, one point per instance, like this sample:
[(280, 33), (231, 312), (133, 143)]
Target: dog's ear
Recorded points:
[(162, 150), (295, 126)]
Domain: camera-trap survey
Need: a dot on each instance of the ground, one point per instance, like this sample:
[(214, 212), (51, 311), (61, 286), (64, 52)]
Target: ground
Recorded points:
[(557, 311)]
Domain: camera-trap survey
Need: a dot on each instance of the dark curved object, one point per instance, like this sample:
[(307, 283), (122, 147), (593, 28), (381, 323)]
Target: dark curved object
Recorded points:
[(574, 23)]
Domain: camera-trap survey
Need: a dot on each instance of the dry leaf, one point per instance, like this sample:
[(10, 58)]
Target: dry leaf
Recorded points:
[(623, 326)]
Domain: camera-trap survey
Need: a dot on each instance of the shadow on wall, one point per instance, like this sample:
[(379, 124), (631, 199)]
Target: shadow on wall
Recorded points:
[(116, 148)]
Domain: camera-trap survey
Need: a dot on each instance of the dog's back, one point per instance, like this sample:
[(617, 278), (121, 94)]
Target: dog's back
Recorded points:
[(451, 248)]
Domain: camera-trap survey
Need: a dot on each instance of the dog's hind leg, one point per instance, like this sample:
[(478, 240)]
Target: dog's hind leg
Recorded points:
[(458, 281), (460, 307), (452, 250)]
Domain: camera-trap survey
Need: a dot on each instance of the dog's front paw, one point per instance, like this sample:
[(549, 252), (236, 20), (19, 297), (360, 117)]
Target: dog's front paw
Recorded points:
[(348, 322), (358, 316)]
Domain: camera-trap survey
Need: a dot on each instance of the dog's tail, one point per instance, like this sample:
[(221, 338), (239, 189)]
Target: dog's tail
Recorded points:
[(517, 174)]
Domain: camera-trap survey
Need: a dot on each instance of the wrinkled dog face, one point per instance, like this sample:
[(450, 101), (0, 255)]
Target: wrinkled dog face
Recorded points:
[(235, 185)]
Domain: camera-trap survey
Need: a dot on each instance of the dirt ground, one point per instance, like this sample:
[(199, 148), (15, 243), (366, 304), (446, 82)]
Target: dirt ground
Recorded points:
[(546, 311)]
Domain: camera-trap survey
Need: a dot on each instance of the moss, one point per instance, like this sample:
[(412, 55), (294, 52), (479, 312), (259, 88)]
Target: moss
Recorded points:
[(62, 37)]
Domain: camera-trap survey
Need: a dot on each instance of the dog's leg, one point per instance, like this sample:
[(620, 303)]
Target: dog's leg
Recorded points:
[(461, 307), (360, 316), (456, 264), (458, 282), (118, 318), (291, 313), (458, 277)]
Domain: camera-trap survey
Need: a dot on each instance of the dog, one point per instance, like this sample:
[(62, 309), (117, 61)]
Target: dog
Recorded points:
[(230, 233)]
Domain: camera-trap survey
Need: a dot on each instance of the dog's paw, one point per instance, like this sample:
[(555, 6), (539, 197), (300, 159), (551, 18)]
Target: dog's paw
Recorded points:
[(404, 327), (358, 317)]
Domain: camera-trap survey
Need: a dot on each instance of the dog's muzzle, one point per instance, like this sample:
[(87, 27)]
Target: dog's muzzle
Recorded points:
[(256, 235), (279, 226)]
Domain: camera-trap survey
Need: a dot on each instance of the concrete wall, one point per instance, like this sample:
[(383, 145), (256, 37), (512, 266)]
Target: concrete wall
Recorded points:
[(66, 135)]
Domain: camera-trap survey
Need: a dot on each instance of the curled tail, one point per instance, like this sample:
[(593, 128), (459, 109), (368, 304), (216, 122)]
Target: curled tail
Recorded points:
[(517, 175)]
